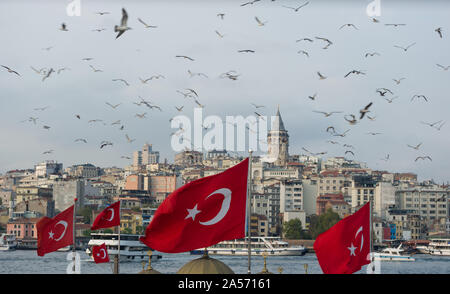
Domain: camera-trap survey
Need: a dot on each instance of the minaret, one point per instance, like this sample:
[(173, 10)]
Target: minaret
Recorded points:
[(278, 141)]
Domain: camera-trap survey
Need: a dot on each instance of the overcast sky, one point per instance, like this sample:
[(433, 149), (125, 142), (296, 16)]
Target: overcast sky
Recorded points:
[(274, 75)]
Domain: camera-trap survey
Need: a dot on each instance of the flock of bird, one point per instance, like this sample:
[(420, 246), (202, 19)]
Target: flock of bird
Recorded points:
[(352, 119)]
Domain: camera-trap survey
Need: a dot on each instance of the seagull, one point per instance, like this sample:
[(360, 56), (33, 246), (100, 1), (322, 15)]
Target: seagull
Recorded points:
[(46, 127), (419, 96), (63, 27), (62, 69), (78, 116), (313, 97), (196, 74), (198, 103), (327, 114), (260, 23), (395, 24), (128, 139), (186, 57), (431, 124), (81, 140), (48, 74), (352, 121), (122, 80), (415, 147), (398, 81), (326, 40), (331, 128), (246, 51), (117, 122), (305, 39), (47, 48), (375, 20), (365, 110), (179, 108), (94, 69), (10, 70), (383, 91), (314, 154), (126, 157), (105, 143), (322, 77), (333, 142), (439, 128), (192, 91), (41, 108), (141, 115), (349, 151), (348, 25), (386, 158), (423, 158), (48, 152), (372, 54), (99, 30), (373, 134), (257, 106), (304, 52), (87, 58), (94, 120), (113, 106), (296, 9), (102, 13), (405, 49), (221, 15), (354, 72), (349, 146), (219, 34), (251, 2), (443, 67), (390, 100), (371, 118), (341, 135), (439, 31), (41, 71), (123, 24), (146, 25)]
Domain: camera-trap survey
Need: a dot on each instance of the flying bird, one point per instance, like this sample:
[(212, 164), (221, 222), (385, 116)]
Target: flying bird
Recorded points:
[(179, 108), (192, 74), (443, 67), (121, 80), (102, 13), (129, 139), (94, 69), (405, 48), (349, 151), (348, 25), (398, 81), (48, 152), (395, 24), (296, 8), (10, 70), (423, 158), (373, 134), (260, 23), (326, 40), (383, 91), (105, 143), (219, 34), (322, 77), (304, 52), (246, 51), (313, 97), (63, 27), (419, 96), (48, 74), (365, 110), (439, 31), (327, 114), (81, 140), (415, 147), (390, 100), (251, 2), (221, 15), (305, 39), (371, 54), (112, 106), (146, 25), (186, 57), (354, 72), (353, 119), (123, 24), (257, 106)]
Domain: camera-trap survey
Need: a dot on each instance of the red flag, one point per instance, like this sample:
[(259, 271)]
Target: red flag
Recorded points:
[(345, 247), (201, 213), (100, 253), (109, 217), (55, 233)]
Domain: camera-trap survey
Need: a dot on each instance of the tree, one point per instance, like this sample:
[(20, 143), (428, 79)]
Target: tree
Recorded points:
[(86, 212), (321, 223), (293, 229)]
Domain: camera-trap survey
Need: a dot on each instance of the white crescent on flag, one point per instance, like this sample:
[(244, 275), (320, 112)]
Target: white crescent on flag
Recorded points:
[(64, 223), (112, 214), (224, 208), (362, 237)]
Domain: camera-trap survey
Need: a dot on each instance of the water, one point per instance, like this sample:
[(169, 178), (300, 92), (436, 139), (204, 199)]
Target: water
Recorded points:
[(27, 262)]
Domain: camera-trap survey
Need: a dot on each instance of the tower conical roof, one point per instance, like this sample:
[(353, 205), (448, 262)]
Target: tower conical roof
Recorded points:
[(277, 124)]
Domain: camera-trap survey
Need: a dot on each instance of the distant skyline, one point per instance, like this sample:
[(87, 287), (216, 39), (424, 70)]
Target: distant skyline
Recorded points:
[(276, 73)]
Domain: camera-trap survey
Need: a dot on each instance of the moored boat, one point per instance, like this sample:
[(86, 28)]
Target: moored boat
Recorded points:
[(131, 249), (8, 242), (392, 254), (440, 247), (259, 246)]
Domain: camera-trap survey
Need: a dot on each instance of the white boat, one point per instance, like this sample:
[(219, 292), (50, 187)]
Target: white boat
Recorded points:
[(440, 247), (64, 249), (392, 254), (259, 246), (8, 242), (131, 249)]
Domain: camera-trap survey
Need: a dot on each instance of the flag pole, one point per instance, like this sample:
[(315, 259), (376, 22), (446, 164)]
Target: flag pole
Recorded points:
[(371, 235), (117, 257), (74, 233), (249, 197)]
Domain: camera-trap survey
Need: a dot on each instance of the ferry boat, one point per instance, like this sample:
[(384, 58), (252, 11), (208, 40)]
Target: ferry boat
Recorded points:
[(8, 242), (392, 254), (440, 247), (131, 249), (259, 245)]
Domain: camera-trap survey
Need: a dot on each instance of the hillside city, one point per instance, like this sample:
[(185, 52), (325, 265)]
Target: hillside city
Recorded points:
[(293, 187)]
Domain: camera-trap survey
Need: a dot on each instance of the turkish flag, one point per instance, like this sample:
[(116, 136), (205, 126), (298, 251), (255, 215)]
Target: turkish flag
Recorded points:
[(345, 247), (55, 233), (100, 253), (109, 217), (201, 213)]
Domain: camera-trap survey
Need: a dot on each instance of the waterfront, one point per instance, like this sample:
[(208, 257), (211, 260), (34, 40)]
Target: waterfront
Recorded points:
[(27, 262)]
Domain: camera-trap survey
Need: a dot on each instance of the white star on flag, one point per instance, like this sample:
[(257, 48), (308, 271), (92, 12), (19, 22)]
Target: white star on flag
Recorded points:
[(192, 212), (50, 235), (352, 250)]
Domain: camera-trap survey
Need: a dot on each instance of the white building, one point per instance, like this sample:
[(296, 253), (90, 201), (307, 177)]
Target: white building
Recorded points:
[(46, 168)]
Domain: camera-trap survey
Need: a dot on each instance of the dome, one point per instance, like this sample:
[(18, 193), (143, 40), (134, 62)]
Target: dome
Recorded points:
[(205, 265)]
